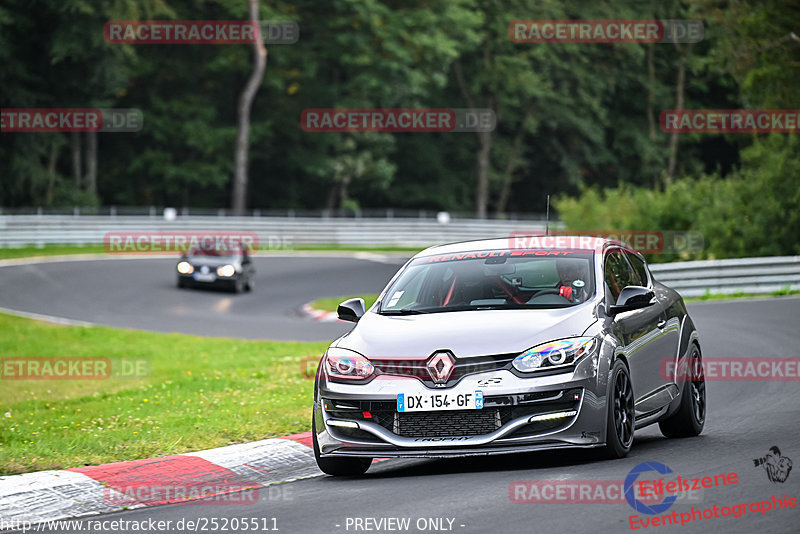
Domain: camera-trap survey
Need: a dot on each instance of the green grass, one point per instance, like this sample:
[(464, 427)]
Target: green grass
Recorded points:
[(58, 250), (331, 304), (49, 250), (200, 393), (741, 295)]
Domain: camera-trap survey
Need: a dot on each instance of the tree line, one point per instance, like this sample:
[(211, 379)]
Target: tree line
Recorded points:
[(573, 119)]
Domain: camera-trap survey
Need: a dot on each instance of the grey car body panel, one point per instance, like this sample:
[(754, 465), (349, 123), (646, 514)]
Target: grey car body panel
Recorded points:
[(465, 332), (643, 338)]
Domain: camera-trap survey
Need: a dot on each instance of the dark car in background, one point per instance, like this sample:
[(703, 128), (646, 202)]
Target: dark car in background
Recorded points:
[(210, 267)]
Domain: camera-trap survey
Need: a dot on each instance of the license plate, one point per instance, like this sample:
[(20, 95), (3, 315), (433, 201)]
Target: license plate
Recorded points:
[(428, 402), (200, 277)]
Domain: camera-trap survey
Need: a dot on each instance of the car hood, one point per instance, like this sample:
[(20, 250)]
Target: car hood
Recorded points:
[(213, 261), (465, 333)]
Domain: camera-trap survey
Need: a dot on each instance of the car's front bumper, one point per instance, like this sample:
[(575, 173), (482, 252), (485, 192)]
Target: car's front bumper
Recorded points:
[(217, 281), (519, 414)]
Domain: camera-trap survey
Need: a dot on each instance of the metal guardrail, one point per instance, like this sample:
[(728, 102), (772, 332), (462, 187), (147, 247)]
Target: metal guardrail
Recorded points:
[(745, 275), (691, 278), (272, 232)]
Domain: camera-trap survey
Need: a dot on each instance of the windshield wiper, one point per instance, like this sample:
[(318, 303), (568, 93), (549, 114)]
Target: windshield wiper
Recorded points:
[(404, 311)]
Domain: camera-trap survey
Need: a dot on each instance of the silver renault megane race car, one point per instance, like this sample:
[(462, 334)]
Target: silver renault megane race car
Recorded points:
[(484, 347)]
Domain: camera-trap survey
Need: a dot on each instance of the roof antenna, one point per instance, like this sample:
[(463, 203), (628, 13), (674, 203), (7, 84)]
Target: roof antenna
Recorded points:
[(547, 223)]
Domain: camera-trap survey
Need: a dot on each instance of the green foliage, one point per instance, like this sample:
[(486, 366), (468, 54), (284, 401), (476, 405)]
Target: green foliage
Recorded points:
[(755, 211), (572, 117)]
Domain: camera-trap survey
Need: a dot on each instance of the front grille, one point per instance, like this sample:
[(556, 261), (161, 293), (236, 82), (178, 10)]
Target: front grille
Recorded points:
[(464, 366), (446, 424), (497, 411)]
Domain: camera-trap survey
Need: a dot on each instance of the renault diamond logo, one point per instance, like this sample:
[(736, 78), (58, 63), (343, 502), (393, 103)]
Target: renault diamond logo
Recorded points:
[(440, 366)]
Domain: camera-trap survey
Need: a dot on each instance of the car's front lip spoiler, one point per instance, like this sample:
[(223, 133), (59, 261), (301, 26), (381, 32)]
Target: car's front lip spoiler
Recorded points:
[(459, 452), (399, 441)]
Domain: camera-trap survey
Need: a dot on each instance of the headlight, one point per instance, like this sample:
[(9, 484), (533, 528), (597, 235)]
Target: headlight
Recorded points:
[(553, 355), (347, 365), (226, 270), (185, 267)]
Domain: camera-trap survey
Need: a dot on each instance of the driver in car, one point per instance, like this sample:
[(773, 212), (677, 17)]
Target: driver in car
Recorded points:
[(572, 275)]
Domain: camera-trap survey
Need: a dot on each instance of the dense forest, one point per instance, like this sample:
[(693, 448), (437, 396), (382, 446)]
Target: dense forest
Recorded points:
[(579, 121)]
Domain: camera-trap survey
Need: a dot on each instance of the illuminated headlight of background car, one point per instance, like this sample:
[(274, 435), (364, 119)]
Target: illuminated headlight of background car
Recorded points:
[(554, 355), (185, 267), (226, 270), (343, 364)]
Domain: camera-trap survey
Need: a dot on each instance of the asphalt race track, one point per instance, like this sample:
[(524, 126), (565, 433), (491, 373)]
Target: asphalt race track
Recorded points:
[(141, 293), (744, 418)]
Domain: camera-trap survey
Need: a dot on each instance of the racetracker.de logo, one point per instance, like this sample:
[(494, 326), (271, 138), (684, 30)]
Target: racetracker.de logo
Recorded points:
[(605, 31), (199, 32), (397, 120), (31, 120), (71, 368), (644, 241), (730, 121), (156, 242), (749, 369)]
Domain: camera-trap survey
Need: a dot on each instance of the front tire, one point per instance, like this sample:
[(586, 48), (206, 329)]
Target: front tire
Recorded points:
[(341, 467), (237, 286), (620, 421), (690, 418)]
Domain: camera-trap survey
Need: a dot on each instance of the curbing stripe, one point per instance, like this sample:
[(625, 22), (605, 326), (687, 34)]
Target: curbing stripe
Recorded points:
[(46, 495), (319, 315), (227, 475), (171, 479)]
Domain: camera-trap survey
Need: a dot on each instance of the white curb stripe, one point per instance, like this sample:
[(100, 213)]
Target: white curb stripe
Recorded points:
[(50, 495), (265, 462)]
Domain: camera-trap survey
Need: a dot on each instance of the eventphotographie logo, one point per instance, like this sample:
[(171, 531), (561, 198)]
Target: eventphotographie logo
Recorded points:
[(777, 467)]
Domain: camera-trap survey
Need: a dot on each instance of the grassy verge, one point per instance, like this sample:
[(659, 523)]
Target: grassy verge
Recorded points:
[(199, 393), (59, 250), (331, 304), (741, 295), (49, 250)]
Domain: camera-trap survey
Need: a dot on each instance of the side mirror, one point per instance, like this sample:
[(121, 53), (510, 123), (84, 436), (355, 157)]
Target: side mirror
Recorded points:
[(351, 310), (632, 298)]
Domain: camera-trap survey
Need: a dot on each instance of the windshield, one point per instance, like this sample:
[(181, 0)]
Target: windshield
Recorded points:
[(205, 253), (492, 280)]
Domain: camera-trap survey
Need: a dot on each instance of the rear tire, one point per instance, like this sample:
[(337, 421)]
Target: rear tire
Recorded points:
[(620, 419), (690, 418), (340, 467)]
